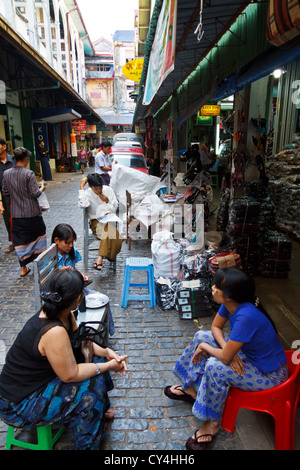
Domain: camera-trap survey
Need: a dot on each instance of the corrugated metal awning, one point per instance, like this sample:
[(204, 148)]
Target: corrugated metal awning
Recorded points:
[(217, 17)]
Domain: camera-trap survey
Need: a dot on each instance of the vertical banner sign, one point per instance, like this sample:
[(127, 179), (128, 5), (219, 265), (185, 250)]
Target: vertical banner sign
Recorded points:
[(40, 130), (74, 152), (162, 56)]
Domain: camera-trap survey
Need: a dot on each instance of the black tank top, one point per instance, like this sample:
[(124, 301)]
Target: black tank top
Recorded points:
[(25, 369)]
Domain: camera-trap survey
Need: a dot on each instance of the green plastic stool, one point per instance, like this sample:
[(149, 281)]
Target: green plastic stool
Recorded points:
[(44, 438)]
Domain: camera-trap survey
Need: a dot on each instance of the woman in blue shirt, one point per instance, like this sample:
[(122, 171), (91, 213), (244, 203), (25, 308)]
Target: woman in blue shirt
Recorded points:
[(250, 358), (64, 237)]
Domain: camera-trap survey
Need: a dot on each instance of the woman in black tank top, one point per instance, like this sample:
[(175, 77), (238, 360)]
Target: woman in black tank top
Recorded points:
[(41, 369)]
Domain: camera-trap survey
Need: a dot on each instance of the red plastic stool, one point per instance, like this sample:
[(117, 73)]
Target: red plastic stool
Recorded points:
[(281, 402)]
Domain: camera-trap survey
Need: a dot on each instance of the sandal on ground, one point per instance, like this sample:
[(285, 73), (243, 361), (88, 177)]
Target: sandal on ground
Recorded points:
[(109, 415), (174, 396), (97, 266), (193, 442), (10, 249), (27, 272)]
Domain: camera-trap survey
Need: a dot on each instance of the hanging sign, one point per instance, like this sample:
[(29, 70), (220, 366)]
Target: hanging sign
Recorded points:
[(162, 56), (133, 69), (204, 120), (79, 125), (210, 110)]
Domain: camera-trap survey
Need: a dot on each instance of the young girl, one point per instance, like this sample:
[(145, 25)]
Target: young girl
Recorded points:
[(82, 159), (64, 237)]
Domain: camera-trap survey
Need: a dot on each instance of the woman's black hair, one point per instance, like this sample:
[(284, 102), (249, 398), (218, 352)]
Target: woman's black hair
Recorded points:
[(64, 287), (94, 180), (64, 232), (20, 153), (237, 285)]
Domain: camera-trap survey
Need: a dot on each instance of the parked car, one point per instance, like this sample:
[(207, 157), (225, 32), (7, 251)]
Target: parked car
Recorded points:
[(131, 159), (127, 137), (128, 144), (120, 149)]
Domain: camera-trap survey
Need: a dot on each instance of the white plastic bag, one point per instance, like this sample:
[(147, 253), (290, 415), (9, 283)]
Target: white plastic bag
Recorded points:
[(166, 255), (43, 202)]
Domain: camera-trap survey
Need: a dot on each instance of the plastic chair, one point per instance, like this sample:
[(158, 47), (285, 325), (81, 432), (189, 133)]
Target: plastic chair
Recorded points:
[(138, 264), (45, 441), (281, 402)]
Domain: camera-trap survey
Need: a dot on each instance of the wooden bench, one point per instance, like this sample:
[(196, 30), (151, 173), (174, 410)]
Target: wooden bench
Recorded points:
[(44, 267), (89, 238)]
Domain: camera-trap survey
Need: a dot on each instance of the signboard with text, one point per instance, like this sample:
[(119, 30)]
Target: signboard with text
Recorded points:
[(79, 125), (210, 110)]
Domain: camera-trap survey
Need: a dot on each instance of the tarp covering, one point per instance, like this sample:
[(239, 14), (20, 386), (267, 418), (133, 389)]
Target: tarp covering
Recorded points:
[(264, 65)]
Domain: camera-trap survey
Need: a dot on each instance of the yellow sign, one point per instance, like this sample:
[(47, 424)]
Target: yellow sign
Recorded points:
[(133, 69), (210, 110)]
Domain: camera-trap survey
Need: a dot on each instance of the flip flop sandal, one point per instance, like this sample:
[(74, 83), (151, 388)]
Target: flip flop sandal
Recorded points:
[(10, 249), (27, 272), (96, 266), (174, 396), (194, 444)]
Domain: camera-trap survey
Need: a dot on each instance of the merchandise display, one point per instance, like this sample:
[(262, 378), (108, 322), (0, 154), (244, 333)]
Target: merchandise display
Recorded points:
[(194, 299), (284, 177)]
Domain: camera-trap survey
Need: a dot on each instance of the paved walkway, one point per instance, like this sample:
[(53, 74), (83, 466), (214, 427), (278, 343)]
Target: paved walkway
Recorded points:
[(152, 338)]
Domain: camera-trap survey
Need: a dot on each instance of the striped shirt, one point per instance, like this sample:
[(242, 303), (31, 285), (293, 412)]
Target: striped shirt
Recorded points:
[(20, 185)]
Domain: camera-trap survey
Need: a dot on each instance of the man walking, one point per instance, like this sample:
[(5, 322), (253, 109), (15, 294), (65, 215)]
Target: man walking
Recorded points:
[(6, 162), (103, 163)]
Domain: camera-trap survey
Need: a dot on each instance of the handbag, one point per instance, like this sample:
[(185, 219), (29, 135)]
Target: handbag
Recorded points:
[(83, 338)]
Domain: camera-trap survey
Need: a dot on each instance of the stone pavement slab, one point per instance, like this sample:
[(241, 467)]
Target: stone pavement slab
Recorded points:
[(152, 338)]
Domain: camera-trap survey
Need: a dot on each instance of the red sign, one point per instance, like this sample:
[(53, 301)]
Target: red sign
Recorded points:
[(79, 125)]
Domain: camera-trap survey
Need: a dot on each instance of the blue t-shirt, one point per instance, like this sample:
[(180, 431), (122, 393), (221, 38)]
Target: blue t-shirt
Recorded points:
[(261, 343), (66, 261)]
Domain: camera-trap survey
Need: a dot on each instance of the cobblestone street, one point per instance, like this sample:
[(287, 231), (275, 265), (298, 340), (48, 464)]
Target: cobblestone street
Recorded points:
[(152, 338)]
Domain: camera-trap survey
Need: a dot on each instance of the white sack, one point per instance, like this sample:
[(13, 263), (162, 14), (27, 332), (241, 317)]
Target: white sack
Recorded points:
[(166, 254)]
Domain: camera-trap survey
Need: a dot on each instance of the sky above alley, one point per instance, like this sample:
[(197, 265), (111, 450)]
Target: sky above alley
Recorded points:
[(104, 17)]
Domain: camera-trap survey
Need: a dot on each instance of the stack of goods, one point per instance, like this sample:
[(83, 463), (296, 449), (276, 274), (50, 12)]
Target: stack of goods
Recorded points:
[(276, 257), (194, 299), (224, 260), (166, 291), (284, 178), (258, 191), (243, 216), (196, 266), (243, 230), (222, 217)]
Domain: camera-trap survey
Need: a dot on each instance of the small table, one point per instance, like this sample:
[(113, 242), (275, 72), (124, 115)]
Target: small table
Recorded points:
[(95, 314)]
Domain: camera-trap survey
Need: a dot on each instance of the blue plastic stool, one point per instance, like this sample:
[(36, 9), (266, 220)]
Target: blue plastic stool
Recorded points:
[(138, 264), (44, 438)]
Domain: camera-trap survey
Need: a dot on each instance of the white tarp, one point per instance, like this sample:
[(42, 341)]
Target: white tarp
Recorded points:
[(132, 180)]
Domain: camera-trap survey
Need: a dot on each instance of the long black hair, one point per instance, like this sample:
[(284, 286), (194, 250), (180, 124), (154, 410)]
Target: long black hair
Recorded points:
[(64, 287), (239, 286), (64, 232)]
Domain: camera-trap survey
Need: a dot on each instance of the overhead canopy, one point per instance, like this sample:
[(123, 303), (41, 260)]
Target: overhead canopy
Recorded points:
[(30, 74), (80, 26), (217, 18), (54, 115), (117, 119)]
